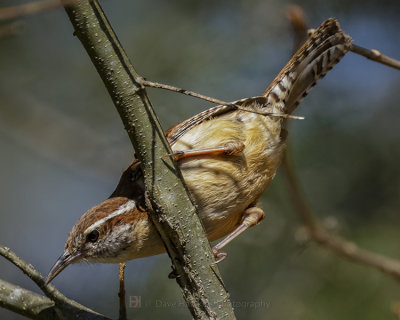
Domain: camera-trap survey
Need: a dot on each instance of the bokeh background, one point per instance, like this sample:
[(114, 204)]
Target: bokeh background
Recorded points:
[(63, 147)]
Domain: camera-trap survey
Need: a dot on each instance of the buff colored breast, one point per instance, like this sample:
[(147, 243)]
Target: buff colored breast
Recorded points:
[(223, 186)]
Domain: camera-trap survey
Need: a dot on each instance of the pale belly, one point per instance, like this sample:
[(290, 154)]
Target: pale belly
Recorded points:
[(223, 186)]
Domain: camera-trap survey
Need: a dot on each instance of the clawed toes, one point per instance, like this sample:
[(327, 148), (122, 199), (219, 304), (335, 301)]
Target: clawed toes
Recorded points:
[(219, 256)]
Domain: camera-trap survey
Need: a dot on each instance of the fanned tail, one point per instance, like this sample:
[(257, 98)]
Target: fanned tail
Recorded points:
[(320, 53)]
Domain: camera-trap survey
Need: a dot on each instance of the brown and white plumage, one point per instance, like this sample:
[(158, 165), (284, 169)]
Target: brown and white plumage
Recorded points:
[(211, 179), (223, 186)]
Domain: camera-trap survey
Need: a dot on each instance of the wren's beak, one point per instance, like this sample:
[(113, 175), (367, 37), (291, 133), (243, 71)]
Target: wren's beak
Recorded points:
[(62, 262)]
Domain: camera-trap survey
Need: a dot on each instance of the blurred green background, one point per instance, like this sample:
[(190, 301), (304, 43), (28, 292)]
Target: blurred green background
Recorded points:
[(63, 147)]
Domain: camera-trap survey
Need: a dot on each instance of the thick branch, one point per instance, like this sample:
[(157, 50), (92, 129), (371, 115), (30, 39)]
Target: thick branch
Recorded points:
[(25, 302), (35, 306), (172, 209)]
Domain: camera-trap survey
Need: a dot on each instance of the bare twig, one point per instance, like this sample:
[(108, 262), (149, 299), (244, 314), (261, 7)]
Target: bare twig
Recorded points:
[(353, 253), (376, 55), (121, 294), (29, 8), (334, 243), (158, 85), (49, 290), (296, 17), (299, 203), (315, 231), (62, 302)]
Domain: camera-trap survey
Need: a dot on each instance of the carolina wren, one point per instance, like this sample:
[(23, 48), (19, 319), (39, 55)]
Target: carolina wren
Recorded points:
[(228, 155)]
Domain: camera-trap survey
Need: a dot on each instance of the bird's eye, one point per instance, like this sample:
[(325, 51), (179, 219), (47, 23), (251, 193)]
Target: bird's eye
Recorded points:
[(93, 236)]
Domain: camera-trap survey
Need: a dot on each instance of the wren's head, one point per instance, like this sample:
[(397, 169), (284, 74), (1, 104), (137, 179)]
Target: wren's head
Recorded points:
[(113, 231)]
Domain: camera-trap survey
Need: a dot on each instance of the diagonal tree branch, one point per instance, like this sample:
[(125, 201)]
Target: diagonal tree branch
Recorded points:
[(315, 231), (25, 302), (168, 87), (190, 252), (36, 306), (376, 55), (297, 19)]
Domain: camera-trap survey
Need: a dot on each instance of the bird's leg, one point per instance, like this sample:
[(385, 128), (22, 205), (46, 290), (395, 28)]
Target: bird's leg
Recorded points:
[(227, 149), (251, 217)]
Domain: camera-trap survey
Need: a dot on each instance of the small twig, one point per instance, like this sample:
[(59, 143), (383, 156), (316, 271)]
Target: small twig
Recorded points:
[(334, 243), (158, 85), (353, 253), (30, 8), (49, 290), (121, 294), (295, 14), (269, 114), (376, 55), (315, 231), (372, 54), (301, 206)]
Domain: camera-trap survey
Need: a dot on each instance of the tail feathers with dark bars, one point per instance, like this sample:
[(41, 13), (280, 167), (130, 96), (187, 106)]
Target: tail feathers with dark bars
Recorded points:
[(320, 53)]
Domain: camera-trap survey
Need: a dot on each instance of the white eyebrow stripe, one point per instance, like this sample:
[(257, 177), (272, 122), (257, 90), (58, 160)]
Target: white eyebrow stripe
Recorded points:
[(129, 205)]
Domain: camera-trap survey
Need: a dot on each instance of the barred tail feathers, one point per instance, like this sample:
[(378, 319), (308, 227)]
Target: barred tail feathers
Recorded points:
[(320, 53)]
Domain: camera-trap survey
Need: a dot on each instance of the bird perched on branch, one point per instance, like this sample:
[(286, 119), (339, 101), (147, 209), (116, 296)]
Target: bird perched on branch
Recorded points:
[(228, 155)]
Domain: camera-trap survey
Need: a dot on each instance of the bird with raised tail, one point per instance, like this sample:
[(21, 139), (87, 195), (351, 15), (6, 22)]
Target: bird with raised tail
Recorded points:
[(228, 155)]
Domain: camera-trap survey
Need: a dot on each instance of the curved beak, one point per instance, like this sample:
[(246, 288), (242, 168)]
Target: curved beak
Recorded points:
[(62, 262)]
